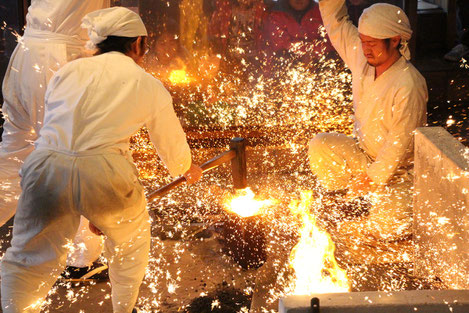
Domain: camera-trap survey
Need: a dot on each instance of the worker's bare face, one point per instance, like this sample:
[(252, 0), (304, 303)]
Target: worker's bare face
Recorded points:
[(299, 5), (376, 51)]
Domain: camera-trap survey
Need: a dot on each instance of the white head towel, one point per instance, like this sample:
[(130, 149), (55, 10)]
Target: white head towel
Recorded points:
[(382, 21), (116, 21)]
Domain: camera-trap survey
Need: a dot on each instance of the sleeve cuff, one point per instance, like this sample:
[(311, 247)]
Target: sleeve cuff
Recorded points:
[(181, 165)]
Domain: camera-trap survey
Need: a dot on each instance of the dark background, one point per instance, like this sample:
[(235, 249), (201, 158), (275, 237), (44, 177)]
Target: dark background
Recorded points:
[(434, 35), (12, 20)]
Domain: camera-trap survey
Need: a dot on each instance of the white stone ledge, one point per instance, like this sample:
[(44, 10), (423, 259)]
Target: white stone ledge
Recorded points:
[(441, 204), (413, 301)]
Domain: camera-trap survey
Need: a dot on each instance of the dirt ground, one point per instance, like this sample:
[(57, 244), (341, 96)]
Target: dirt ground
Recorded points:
[(191, 271)]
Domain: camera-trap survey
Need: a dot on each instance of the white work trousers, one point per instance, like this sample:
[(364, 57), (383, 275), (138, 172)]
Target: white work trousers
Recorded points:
[(31, 66), (57, 189), (336, 158)]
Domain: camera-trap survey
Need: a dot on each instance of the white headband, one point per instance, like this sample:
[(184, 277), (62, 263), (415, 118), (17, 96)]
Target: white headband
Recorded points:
[(382, 21), (116, 21)]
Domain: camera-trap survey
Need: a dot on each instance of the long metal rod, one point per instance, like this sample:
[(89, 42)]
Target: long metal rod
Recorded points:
[(210, 164)]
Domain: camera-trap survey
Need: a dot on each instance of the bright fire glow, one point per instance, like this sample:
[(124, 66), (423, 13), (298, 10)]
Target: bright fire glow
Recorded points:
[(177, 77), (313, 259), (244, 204)]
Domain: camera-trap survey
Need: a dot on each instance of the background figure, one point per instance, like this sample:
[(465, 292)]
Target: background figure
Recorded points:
[(193, 26), (235, 28), (355, 9), (53, 37), (292, 22), (462, 49)]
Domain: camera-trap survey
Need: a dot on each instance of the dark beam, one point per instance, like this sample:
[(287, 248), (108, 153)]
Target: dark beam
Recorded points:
[(451, 32), (410, 8)]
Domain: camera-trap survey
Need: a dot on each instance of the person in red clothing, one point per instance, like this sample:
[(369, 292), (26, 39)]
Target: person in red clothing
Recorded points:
[(234, 28), (294, 25)]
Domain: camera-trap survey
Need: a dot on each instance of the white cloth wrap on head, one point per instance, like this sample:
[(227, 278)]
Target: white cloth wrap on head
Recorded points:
[(382, 21), (116, 21)]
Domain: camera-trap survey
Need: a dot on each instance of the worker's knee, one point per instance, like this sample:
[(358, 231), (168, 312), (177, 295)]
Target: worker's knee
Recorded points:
[(328, 141), (318, 141), (317, 146)]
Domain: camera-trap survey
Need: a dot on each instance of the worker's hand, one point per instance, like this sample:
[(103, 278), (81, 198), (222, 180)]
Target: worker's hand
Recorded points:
[(193, 174), (360, 185), (95, 230)]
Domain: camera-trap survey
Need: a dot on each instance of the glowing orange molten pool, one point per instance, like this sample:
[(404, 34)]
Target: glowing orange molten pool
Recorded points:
[(177, 77), (244, 204), (312, 259)]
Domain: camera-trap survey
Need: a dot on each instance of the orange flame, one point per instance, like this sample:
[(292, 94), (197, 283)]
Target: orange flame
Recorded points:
[(179, 77), (244, 204), (313, 259)]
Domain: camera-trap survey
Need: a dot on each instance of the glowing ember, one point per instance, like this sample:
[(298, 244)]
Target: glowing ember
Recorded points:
[(177, 77), (313, 260), (245, 205)]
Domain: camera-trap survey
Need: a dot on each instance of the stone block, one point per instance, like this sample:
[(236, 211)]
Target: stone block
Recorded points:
[(421, 301), (441, 217)]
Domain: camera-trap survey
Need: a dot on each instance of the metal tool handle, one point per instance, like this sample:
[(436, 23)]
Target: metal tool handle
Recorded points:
[(210, 164)]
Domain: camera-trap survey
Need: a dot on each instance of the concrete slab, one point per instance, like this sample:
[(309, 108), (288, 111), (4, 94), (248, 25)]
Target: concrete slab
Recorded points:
[(441, 207), (421, 301)]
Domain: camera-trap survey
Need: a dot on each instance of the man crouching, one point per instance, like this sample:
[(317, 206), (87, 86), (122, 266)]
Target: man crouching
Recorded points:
[(389, 97)]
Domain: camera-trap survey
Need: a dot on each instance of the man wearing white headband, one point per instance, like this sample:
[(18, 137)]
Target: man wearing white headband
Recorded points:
[(81, 166), (389, 97), (52, 38)]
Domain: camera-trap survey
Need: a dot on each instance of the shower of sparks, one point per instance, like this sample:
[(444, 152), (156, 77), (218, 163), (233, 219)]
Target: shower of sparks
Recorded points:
[(281, 108)]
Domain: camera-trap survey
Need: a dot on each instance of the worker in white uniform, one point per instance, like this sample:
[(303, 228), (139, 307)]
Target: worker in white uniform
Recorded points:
[(389, 99), (53, 37), (81, 165)]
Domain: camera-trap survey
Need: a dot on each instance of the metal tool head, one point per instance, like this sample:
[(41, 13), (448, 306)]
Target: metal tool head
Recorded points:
[(238, 163)]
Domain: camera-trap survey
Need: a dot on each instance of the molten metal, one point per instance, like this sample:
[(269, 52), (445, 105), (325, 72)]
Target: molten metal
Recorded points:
[(180, 77), (244, 204)]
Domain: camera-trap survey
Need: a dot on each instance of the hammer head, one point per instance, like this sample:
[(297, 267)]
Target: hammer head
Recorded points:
[(238, 163)]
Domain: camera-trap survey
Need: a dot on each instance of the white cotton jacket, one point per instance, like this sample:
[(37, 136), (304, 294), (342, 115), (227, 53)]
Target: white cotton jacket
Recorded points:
[(62, 16), (52, 38), (387, 109), (98, 103)]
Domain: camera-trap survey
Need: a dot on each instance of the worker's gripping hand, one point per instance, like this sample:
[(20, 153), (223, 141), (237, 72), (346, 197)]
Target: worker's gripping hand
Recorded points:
[(193, 174), (360, 185)]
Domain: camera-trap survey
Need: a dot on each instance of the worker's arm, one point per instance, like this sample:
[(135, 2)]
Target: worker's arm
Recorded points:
[(342, 33), (166, 131), (408, 113)]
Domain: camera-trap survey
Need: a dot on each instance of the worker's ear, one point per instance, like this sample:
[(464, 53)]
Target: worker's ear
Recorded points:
[(395, 41), (137, 47), (137, 50)]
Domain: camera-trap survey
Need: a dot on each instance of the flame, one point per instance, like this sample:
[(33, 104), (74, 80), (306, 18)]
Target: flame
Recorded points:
[(312, 259), (244, 204), (179, 77)]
